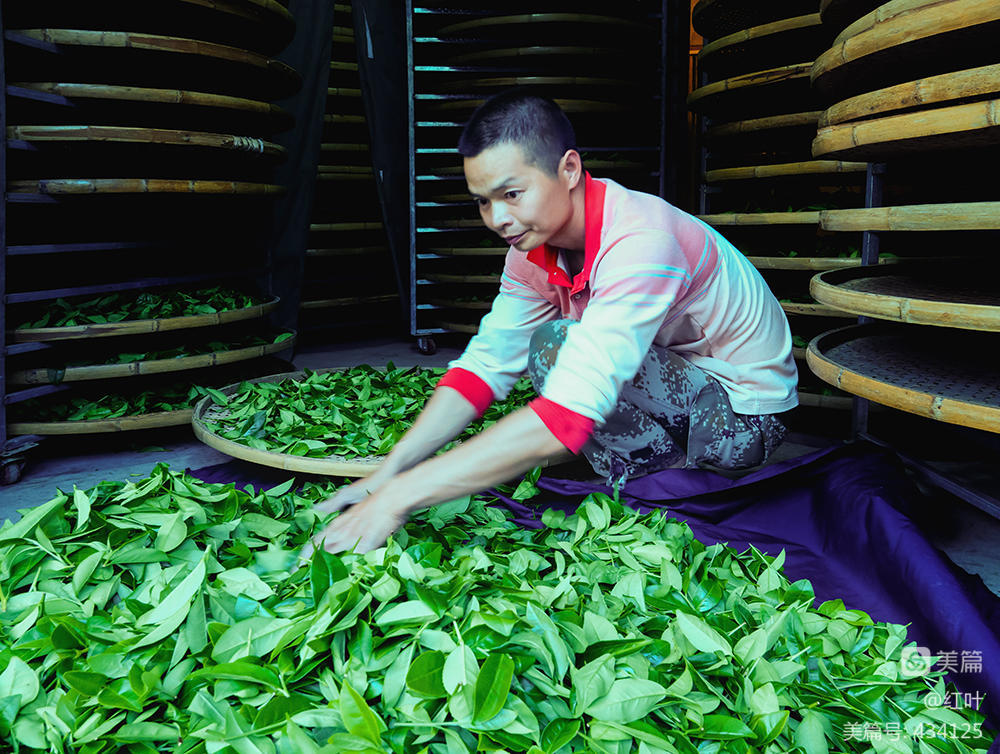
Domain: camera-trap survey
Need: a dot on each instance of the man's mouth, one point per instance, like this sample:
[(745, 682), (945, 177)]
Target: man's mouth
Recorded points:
[(512, 240)]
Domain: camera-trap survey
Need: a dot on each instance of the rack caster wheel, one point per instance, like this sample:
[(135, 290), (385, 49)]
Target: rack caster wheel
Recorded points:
[(11, 472), (426, 345)]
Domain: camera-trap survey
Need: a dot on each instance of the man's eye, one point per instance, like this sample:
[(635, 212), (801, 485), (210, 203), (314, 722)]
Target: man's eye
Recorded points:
[(512, 195), (480, 202)]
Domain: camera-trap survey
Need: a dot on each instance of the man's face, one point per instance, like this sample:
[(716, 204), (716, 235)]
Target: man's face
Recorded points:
[(521, 203)]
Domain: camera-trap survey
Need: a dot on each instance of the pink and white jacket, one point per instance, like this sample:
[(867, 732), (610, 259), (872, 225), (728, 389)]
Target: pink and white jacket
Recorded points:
[(651, 274)]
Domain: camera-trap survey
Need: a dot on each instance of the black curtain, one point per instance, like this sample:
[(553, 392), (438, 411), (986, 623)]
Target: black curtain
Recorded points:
[(308, 53)]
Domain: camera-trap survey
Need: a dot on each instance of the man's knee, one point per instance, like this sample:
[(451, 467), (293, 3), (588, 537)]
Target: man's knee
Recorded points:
[(543, 349)]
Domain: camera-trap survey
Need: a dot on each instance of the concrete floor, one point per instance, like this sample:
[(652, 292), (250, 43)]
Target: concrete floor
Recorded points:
[(970, 537)]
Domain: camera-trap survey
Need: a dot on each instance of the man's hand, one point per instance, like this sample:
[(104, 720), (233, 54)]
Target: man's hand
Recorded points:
[(363, 527)]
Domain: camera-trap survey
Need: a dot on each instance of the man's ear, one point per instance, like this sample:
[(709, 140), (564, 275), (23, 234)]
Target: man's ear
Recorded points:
[(571, 168)]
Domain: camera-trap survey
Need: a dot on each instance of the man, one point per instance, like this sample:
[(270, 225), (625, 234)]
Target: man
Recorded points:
[(652, 342)]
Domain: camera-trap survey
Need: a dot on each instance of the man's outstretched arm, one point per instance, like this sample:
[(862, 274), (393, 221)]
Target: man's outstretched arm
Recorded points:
[(515, 444)]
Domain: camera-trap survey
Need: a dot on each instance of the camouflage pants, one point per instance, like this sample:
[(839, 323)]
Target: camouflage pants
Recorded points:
[(670, 415)]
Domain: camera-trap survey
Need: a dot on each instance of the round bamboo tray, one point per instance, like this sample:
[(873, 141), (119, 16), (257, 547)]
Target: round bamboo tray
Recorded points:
[(121, 424), (462, 224), (907, 39), (785, 170), (759, 126), (142, 368), (453, 304), (938, 375), (343, 227), (916, 217), (974, 125), (197, 107), (770, 45), (519, 25), (808, 263), (838, 14), (263, 25), (332, 303), (347, 252), (151, 136), (972, 84), (814, 310), (83, 186), (330, 466), (445, 278), (762, 218), (256, 71), (492, 251), (717, 18), (461, 327), (567, 105), (919, 295), (141, 326), (534, 54), (775, 91), (559, 83)]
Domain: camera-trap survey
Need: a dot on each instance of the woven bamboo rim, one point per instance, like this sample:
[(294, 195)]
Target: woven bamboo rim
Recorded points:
[(701, 98), (142, 326), (815, 400), (331, 303), (78, 186), (282, 72), (717, 18), (788, 169), (327, 177), (770, 123), (338, 65), (512, 81), (460, 327), (453, 304), (492, 251), (900, 22), (344, 119), (932, 405), (141, 368), (330, 466), (773, 33), (567, 105), (341, 147), (915, 217), (838, 14), (875, 292), (445, 278), (808, 263), (159, 136), (537, 18), (121, 424), (976, 124), (158, 96), (532, 52), (347, 251), (814, 310), (469, 223), (337, 227), (762, 218), (973, 83)]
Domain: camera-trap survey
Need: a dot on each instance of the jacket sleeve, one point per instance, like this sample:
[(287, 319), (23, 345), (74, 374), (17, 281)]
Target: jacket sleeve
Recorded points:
[(498, 354)]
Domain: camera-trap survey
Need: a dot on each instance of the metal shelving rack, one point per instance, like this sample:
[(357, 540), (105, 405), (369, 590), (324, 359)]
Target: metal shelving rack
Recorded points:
[(454, 261)]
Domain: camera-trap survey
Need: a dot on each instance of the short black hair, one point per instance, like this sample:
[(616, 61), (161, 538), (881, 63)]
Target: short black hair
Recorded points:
[(518, 116)]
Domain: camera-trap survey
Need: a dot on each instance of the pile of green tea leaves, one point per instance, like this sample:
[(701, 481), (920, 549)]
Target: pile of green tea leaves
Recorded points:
[(117, 307), (174, 397), (167, 614), (357, 412)]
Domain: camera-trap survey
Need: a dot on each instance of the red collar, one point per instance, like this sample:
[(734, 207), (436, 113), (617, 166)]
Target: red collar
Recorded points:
[(547, 257)]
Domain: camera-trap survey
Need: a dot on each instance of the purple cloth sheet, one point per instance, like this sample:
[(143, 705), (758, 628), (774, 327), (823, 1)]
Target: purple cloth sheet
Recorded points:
[(844, 517)]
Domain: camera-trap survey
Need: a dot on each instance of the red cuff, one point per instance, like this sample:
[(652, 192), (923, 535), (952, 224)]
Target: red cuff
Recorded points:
[(570, 428), (472, 388)]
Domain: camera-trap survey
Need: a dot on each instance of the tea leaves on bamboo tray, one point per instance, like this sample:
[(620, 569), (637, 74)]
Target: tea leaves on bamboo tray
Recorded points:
[(117, 307), (176, 397), (167, 614), (357, 412)]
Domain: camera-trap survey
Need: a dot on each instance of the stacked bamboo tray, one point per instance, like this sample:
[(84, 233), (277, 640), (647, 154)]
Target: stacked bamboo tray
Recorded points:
[(140, 157), (761, 186), (348, 269), (916, 84), (600, 63)]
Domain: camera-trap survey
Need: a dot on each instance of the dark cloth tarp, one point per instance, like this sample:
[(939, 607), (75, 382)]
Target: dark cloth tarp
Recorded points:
[(843, 516)]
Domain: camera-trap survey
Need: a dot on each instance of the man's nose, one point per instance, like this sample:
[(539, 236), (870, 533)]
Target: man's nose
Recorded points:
[(500, 216)]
